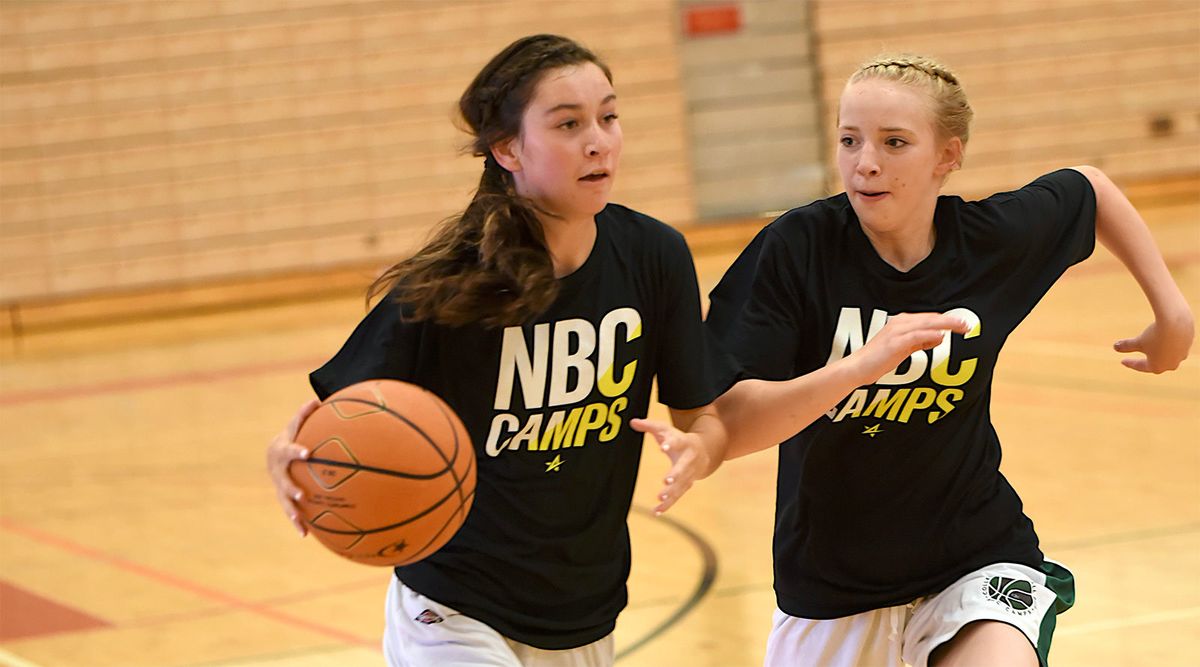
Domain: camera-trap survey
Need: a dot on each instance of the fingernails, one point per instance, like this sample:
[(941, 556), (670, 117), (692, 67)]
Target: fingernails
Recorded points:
[(670, 480), (304, 453), (666, 448), (662, 496), (299, 495)]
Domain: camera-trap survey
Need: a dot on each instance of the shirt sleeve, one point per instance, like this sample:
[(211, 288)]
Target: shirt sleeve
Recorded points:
[(383, 345), (692, 370), (756, 309), (1053, 221)]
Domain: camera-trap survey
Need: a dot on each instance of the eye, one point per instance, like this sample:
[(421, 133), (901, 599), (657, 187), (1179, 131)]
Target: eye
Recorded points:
[(569, 124), (610, 117), (846, 141), (896, 142)]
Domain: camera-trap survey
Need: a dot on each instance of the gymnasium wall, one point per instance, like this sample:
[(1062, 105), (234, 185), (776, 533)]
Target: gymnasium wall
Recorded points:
[(1112, 83), (162, 146), (148, 143), (749, 77)]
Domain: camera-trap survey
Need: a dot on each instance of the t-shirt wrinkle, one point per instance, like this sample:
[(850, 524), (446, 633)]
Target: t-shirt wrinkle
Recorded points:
[(544, 553), (896, 491)]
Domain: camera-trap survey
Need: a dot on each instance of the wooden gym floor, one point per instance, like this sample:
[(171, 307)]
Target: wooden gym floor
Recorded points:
[(138, 528)]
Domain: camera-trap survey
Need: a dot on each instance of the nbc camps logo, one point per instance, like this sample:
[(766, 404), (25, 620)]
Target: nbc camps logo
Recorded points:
[(1015, 594)]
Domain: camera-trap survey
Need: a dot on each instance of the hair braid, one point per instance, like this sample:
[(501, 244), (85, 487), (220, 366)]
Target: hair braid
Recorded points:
[(952, 111)]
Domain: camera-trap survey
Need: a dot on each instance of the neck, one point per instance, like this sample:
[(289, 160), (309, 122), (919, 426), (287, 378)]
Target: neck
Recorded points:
[(906, 245), (570, 242)]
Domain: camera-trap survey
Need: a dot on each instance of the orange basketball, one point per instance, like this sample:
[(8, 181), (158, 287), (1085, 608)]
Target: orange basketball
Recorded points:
[(390, 475)]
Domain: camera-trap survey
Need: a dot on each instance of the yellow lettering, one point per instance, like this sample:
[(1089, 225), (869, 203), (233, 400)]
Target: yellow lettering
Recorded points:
[(945, 403), (884, 401), (919, 399), (853, 406), (559, 430), (593, 417), (614, 419)]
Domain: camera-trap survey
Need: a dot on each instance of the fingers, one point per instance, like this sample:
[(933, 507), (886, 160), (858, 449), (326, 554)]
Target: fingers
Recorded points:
[(1128, 345), (281, 453), (288, 495), (288, 502), (1140, 364), (924, 331), (674, 486), (689, 464), (659, 430), (913, 321)]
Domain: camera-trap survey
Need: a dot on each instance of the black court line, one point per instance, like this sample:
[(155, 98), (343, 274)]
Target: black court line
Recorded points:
[(707, 553)]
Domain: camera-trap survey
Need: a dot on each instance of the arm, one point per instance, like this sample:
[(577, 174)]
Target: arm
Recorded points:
[(1121, 229), (757, 414)]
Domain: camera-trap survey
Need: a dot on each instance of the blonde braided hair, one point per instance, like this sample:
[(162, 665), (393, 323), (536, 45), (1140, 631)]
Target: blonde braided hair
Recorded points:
[(951, 110)]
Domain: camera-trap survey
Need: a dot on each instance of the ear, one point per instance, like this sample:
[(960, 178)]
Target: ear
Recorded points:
[(508, 154), (951, 157)]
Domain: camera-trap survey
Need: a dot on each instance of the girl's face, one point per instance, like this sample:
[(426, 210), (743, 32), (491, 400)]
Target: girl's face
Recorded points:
[(566, 156), (891, 158)]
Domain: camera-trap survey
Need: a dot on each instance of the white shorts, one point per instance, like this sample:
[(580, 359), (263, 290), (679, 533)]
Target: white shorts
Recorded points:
[(422, 633), (1020, 596)]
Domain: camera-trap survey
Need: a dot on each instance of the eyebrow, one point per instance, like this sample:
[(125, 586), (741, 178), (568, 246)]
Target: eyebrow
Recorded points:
[(574, 107), (882, 129)]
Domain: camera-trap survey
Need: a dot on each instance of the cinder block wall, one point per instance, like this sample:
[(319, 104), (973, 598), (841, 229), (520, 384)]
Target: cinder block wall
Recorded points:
[(1113, 83), (155, 144)]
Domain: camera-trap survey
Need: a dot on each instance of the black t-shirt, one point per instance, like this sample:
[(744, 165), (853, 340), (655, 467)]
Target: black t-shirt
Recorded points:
[(896, 492), (544, 553)]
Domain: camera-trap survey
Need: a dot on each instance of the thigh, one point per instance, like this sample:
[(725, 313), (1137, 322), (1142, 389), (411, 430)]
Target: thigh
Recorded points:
[(869, 639), (420, 632), (985, 644), (1004, 604)]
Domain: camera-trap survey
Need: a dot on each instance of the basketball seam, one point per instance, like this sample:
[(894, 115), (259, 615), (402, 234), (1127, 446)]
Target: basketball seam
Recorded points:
[(465, 499), (441, 501)]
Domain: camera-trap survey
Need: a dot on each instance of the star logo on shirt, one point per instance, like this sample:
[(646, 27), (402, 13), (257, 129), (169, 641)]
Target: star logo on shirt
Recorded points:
[(872, 431), (555, 465)]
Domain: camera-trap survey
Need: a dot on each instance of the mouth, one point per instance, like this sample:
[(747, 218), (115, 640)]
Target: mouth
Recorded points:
[(872, 195), (596, 176)]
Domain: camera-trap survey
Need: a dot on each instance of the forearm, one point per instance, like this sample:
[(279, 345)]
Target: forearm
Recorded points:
[(1120, 228), (758, 414)]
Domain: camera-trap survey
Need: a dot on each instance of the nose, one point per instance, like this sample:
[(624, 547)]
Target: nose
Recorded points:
[(597, 143), (868, 162)]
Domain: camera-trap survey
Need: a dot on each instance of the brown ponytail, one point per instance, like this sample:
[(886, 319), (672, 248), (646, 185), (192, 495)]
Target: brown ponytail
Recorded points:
[(490, 264)]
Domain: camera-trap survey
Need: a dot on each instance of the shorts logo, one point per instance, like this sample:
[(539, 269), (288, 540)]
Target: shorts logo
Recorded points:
[(428, 617), (1015, 594)]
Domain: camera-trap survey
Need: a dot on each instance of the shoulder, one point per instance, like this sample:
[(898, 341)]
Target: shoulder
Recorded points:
[(642, 238), (627, 223), (810, 222), (1066, 183)]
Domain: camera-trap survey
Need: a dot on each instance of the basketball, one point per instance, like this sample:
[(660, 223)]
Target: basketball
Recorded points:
[(390, 475)]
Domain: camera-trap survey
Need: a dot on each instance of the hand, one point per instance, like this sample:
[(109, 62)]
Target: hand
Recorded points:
[(280, 454), (1165, 345), (690, 460), (900, 337)]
